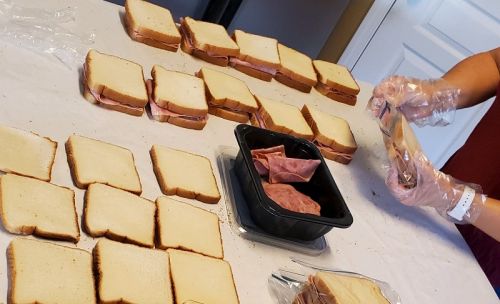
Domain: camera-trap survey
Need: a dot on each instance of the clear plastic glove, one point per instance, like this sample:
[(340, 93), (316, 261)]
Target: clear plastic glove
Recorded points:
[(438, 190), (424, 102)]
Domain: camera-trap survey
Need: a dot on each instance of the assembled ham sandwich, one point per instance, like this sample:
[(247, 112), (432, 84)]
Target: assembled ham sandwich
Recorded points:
[(207, 41), (114, 83), (336, 82)]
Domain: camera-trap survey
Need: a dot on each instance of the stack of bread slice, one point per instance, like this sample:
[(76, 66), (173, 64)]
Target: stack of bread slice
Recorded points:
[(151, 24), (336, 82), (296, 69)]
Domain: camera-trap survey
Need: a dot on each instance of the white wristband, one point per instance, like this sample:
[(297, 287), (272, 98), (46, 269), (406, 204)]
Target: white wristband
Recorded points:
[(463, 204)]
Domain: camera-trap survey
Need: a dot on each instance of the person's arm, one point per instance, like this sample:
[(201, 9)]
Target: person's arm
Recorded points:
[(477, 77), (489, 218)]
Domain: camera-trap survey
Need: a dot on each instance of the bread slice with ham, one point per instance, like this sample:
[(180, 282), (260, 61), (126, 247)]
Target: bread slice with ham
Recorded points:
[(296, 69), (332, 135), (258, 56), (177, 98), (281, 117), (336, 82), (151, 24), (207, 41), (114, 83), (228, 97)]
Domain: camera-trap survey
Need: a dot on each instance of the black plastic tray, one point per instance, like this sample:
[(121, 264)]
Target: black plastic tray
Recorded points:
[(322, 188)]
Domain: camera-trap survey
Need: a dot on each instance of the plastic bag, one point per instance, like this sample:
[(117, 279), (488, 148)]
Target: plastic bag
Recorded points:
[(285, 285), (41, 31)]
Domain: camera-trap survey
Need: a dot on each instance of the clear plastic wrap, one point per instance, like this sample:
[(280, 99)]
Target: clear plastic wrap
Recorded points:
[(289, 286), (424, 102), (414, 181), (42, 31)]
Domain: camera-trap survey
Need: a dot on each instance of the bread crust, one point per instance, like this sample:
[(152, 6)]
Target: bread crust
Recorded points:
[(109, 92), (229, 115), (74, 173), (107, 233), (167, 190), (220, 61), (268, 120), (290, 82), (160, 245), (220, 51), (322, 139), (166, 104), (337, 97), (34, 230), (120, 108), (256, 61), (253, 72), (343, 159)]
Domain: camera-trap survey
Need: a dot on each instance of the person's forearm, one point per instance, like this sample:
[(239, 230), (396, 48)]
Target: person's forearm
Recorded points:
[(477, 77), (489, 218)]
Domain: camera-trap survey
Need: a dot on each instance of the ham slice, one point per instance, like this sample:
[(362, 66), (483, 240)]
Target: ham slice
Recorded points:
[(140, 36), (281, 169), (287, 197), (236, 61), (156, 110), (327, 89)]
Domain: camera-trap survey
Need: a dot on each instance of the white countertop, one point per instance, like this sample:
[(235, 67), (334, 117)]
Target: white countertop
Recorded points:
[(418, 253)]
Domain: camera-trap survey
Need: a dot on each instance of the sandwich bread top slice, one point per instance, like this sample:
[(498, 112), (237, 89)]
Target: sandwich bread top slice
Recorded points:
[(332, 135), (26, 153), (213, 277), (228, 93), (298, 67), (94, 161), (151, 24), (112, 80), (32, 206), (41, 272), (336, 82), (257, 50), (119, 215), (208, 38), (281, 117), (131, 274), (183, 226), (184, 174)]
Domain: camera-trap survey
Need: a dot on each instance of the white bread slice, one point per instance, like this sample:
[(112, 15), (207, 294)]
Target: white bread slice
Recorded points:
[(183, 226), (329, 130), (297, 65), (336, 288), (284, 118), (184, 174), (94, 161), (336, 76), (115, 78), (201, 279), (210, 37), (257, 50), (32, 206), (41, 272), (119, 215), (26, 153), (151, 24), (179, 92), (132, 274), (228, 91)]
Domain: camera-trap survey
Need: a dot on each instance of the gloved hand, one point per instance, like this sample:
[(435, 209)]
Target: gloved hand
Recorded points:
[(424, 102), (438, 190)]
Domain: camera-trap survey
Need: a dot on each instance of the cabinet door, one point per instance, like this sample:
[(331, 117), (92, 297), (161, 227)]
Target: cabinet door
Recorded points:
[(425, 38)]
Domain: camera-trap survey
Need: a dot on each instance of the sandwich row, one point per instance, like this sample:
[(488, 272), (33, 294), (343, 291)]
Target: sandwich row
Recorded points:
[(181, 99), (257, 56), (93, 161), (42, 272), (32, 207)]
